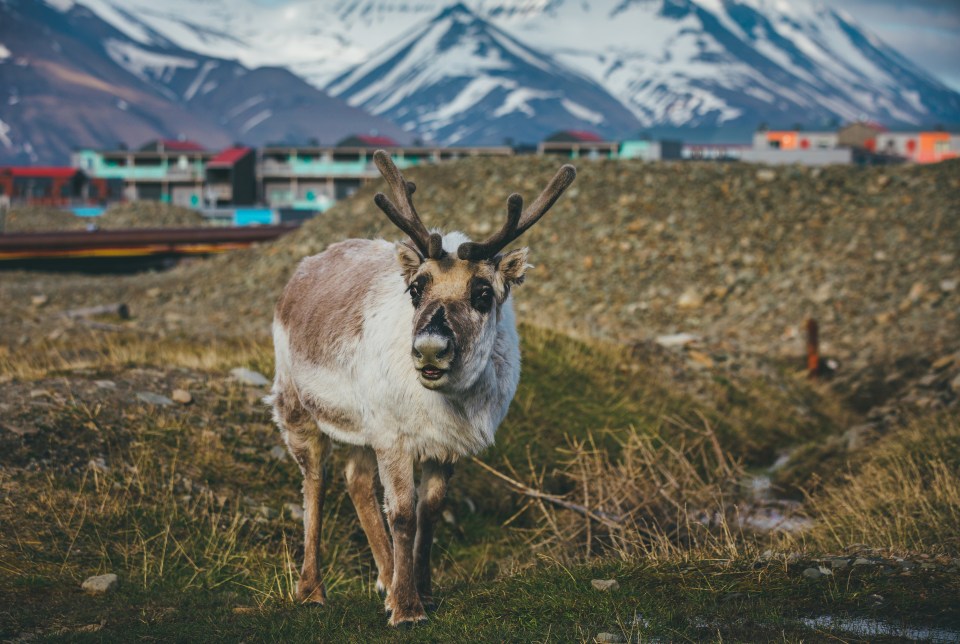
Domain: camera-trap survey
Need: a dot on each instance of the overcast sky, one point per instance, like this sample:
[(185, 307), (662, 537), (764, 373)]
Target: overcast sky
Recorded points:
[(925, 31)]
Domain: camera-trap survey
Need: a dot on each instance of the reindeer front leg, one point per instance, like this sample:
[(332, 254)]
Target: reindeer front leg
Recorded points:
[(399, 492), (432, 492), (311, 455)]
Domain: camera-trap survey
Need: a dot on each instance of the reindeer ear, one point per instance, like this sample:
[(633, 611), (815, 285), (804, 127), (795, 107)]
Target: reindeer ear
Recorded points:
[(513, 266), (410, 260)]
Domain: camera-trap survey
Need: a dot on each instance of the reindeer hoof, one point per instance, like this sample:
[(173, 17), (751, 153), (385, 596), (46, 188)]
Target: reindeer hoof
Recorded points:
[(407, 621), (311, 593)]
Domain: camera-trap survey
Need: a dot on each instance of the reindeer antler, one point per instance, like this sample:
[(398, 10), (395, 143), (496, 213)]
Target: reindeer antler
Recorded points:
[(516, 223), (405, 217)]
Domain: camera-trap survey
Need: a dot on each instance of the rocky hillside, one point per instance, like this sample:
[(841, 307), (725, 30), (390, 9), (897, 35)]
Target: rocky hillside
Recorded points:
[(738, 255)]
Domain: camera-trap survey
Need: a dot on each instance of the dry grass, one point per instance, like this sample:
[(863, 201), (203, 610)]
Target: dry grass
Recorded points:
[(902, 494)]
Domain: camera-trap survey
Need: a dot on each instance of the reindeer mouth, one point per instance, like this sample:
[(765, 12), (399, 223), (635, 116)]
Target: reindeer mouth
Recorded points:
[(430, 372)]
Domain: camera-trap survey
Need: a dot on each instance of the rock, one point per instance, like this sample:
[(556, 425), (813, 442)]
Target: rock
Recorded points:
[(816, 573), (690, 299), (39, 300), (605, 584), (448, 517), (766, 174), (249, 377), (101, 584), (609, 638), (279, 452), (105, 384), (154, 399), (838, 563), (294, 511), (182, 396), (948, 286), (860, 561), (98, 464), (153, 292), (700, 358), (677, 340)]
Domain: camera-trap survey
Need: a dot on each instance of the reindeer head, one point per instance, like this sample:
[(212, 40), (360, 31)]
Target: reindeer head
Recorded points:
[(457, 287)]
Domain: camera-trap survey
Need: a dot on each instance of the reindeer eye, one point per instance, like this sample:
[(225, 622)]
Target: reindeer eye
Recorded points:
[(416, 292), (481, 296)]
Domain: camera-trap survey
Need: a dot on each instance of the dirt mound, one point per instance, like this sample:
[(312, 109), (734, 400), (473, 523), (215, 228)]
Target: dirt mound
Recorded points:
[(150, 214), (39, 219), (135, 214), (634, 250)]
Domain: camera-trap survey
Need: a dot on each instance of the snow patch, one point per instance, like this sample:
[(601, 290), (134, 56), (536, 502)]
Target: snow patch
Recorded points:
[(4, 138), (581, 112), (146, 64), (207, 67), (255, 120), (4, 52)]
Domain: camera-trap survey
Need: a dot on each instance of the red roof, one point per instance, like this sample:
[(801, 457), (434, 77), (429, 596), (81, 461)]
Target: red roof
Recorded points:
[(382, 141), (229, 156), (39, 171), (583, 135), (174, 145)]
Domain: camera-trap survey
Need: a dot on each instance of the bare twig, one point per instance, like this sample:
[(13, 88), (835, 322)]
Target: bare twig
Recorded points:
[(607, 519)]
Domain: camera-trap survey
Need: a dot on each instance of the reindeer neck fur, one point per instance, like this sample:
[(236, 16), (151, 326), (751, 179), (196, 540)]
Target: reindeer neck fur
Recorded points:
[(342, 333)]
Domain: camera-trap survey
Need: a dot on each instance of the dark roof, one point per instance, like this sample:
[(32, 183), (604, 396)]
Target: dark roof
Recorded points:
[(39, 171), (367, 141), (229, 157), (172, 145), (574, 136)]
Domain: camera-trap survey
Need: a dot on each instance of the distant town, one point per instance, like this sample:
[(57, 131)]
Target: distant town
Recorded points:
[(242, 185)]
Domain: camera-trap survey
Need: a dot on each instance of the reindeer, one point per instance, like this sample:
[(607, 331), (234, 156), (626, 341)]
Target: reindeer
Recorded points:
[(406, 353)]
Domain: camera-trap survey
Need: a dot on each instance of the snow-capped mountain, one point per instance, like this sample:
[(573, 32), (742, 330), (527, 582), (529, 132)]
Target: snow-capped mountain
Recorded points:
[(69, 79), (460, 80), (669, 63), (680, 63)]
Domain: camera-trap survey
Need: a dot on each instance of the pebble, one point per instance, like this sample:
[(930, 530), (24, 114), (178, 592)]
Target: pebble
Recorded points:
[(39, 300), (182, 396), (105, 384), (278, 452), (249, 377), (610, 638), (294, 511), (101, 584), (860, 561), (154, 399), (605, 584), (816, 573), (677, 340)]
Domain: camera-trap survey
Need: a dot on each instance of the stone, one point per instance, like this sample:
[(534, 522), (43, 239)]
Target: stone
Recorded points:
[(690, 299), (609, 638), (861, 561), (279, 452), (39, 300), (249, 377), (605, 584), (766, 174), (294, 511), (154, 399), (677, 340), (948, 286), (105, 384), (182, 396), (700, 358), (815, 573), (101, 584)]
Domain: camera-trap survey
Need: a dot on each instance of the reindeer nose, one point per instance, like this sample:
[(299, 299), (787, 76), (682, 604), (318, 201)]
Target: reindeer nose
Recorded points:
[(432, 348), (434, 342)]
